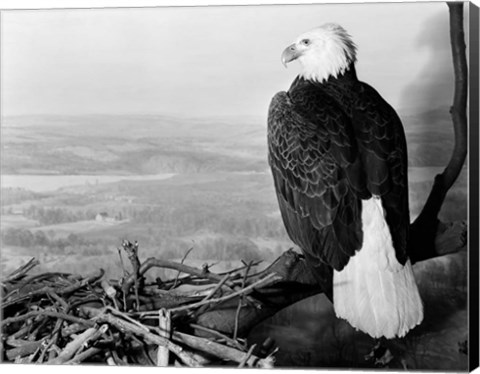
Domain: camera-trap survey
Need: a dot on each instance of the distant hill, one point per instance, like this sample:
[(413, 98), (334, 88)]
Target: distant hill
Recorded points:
[(150, 144), (131, 144)]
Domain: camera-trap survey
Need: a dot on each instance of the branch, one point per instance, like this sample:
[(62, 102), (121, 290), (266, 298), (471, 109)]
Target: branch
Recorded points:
[(459, 107), (183, 260), (124, 326), (92, 351), (165, 327), (91, 334), (42, 291), (425, 227), (222, 351), (23, 350), (154, 262), (269, 279), (46, 313), (21, 272)]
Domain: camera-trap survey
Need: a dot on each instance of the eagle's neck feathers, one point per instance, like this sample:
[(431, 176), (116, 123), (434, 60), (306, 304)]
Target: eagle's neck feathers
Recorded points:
[(321, 72), (332, 53)]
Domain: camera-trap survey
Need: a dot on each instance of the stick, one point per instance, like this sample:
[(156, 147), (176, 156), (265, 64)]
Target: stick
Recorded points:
[(33, 335), (181, 262), (110, 292), (125, 326), (109, 359), (240, 268), (17, 342), (73, 346), (240, 302), (165, 325), (247, 356), (154, 262), (126, 317), (132, 254), (22, 332), (74, 328), (21, 271), (15, 300), (90, 279), (24, 350), (56, 333), (125, 272), (217, 334), (270, 278), (60, 300), (84, 355), (91, 338), (45, 350), (217, 287), (47, 313), (218, 350), (142, 345)]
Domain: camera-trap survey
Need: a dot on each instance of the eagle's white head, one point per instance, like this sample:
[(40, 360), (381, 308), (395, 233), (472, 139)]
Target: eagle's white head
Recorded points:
[(325, 51)]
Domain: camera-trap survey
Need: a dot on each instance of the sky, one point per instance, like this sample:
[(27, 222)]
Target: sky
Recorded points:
[(210, 61)]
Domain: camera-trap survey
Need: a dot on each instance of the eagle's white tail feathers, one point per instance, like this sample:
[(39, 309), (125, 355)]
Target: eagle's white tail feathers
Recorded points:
[(374, 292)]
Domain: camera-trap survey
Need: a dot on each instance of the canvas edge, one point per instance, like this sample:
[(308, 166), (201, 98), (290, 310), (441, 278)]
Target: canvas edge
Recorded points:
[(473, 31)]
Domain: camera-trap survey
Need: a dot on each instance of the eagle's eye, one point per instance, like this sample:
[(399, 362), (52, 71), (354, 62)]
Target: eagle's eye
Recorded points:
[(305, 41)]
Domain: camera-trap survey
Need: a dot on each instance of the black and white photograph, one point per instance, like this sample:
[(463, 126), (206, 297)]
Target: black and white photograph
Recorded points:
[(239, 186)]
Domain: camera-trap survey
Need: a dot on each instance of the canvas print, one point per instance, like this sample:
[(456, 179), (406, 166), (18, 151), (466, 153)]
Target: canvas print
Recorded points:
[(246, 186)]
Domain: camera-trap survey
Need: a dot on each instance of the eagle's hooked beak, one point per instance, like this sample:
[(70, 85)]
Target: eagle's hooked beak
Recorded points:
[(289, 54)]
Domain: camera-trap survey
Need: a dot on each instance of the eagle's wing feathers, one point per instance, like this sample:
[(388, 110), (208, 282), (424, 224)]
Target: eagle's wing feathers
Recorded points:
[(311, 150), (383, 150)]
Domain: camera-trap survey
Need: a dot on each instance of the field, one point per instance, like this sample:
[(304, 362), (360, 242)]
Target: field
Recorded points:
[(176, 183)]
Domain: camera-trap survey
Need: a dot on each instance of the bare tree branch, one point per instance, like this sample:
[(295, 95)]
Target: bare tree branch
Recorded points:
[(425, 227)]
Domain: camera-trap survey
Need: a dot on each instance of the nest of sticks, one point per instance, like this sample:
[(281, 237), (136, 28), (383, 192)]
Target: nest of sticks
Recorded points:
[(59, 318)]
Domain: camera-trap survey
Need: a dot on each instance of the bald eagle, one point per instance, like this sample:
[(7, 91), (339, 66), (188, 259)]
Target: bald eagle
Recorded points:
[(338, 156)]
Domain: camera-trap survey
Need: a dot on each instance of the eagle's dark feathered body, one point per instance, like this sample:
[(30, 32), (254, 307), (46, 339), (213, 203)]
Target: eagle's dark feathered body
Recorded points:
[(338, 156), (330, 146)]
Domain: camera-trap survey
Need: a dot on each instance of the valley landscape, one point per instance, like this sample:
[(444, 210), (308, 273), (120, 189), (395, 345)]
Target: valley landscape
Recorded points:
[(74, 187)]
